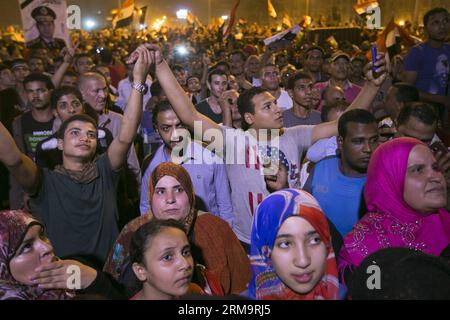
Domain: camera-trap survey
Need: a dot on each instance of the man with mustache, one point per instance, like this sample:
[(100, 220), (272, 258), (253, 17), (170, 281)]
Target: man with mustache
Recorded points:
[(33, 126)]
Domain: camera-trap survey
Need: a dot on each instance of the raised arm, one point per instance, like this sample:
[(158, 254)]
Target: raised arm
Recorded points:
[(59, 74), (20, 166), (363, 100), (180, 102), (119, 147)]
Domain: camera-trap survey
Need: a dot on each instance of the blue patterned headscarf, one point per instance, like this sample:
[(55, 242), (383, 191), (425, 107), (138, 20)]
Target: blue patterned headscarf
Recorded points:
[(270, 215)]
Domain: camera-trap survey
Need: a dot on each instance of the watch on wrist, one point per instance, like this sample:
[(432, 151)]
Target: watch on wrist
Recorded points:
[(140, 87)]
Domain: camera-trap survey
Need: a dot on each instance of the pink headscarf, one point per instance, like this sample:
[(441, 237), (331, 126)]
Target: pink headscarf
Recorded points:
[(391, 222)]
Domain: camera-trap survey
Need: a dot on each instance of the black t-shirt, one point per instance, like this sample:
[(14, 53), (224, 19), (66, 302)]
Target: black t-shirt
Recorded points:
[(34, 132), (204, 108), (80, 218)]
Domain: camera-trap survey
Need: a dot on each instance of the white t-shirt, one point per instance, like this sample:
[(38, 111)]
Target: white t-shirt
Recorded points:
[(246, 178), (284, 101)]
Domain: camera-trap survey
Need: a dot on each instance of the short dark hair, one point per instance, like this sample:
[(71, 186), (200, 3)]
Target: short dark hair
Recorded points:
[(308, 50), (335, 105), (221, 63), (160, 107), (70, 73), (38, 77), (245, 103), (64, 91), (156, 89), (239, 52), (177, 67), (216, 72), (3, 67), (422, 111), (432, 12), (406, 92), (142, 237), (297, 76), (81, 55), (190, 77), (355, 115), (77, 117)]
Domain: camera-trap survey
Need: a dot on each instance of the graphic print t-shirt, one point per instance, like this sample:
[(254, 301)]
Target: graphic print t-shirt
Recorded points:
[(34, 132), (432, 67)]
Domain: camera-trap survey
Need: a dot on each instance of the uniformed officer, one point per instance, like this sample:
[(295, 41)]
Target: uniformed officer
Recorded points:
[(45, 22)]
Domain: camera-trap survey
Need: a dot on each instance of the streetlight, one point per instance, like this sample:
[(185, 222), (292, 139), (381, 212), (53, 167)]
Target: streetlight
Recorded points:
[(224, 18)]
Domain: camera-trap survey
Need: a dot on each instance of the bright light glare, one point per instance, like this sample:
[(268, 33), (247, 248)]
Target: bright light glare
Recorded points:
[(90, 24), (224, 18), (182, 50), (182, 14)]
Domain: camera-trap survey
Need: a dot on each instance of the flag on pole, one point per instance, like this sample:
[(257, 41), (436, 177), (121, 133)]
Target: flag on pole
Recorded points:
[(125, 16), (287, 22), (231, 19), (190, 18), (271, 9), (390, 40)]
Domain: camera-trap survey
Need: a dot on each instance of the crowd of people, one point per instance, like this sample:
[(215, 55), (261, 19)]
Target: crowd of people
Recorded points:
[(176, 163)]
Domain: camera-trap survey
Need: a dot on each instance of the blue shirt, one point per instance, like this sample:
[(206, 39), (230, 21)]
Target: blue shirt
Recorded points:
[(339, 196), (431, 65), (210, 181)]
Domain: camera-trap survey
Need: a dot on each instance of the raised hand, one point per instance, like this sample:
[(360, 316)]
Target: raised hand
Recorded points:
[(228, 99), (144, 61), (153, 48), (382, 69), (278, 181), (56, 275)]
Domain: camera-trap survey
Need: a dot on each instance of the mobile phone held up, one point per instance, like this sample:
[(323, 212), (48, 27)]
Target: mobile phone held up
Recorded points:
[(374, 53)]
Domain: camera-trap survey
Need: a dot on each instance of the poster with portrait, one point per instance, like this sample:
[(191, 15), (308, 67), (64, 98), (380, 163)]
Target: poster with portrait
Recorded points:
[(45, 23)]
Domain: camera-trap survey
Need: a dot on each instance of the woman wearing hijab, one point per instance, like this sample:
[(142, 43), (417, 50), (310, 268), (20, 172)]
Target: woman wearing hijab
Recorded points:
[(29, 270), (23, 248), (214, 244), (405, 195), (292, 257)]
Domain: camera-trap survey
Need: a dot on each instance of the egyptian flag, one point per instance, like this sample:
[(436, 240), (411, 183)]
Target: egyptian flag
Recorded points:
[(231, 19), (287, 22), (271, 9), (391, 40), (125, 16), (362, 5)]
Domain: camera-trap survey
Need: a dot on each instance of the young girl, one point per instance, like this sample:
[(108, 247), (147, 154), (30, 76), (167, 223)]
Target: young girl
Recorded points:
[(291, 252), (161, 260)]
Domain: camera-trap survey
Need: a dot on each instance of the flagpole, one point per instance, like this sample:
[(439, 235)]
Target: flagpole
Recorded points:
[(209, 12), (416, 12)]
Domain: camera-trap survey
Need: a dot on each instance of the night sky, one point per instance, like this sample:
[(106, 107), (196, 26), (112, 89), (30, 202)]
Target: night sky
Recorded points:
[(253, 10)]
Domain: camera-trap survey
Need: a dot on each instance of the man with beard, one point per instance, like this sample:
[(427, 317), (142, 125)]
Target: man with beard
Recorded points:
[(209, 178)]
